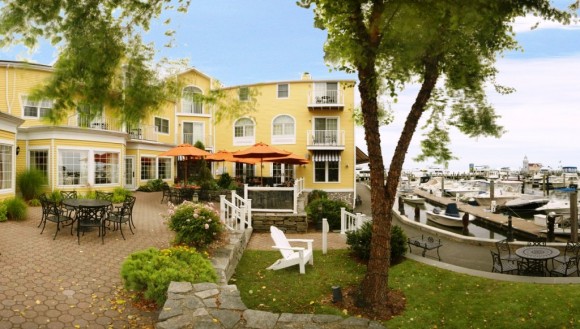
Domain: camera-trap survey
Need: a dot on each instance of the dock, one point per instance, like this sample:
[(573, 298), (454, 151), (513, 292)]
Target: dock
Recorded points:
[(520, 226)]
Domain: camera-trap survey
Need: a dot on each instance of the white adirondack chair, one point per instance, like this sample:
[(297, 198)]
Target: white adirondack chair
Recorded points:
[(291, 255)]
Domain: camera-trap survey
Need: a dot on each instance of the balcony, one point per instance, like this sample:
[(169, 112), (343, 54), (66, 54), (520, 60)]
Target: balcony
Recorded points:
[(191, 139), (326, 100), (143, 132), (325, 139), (97, 123)]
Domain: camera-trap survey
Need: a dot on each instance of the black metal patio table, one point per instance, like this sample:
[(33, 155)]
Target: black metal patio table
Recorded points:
[(91, 203), (538, 254)]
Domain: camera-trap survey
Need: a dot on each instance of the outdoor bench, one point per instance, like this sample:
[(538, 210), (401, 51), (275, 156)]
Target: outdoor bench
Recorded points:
[(426, 243)]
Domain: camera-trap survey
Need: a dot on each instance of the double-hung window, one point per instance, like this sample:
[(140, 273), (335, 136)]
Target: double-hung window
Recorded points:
[(162, 125), (283, 90), (283, 131), (36, 108)]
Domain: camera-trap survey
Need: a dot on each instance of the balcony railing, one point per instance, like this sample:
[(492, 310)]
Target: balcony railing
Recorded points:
[(326, 99), (143, 132), (98, 123), (325, 139), (191, 139)]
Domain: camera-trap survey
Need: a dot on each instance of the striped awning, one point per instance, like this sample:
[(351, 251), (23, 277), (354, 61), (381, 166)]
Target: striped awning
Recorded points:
[(323, 156)]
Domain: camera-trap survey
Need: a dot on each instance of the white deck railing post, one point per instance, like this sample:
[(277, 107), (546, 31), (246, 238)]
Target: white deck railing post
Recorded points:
[(325, 230), (223, 208), (342, 220), (249, 212)]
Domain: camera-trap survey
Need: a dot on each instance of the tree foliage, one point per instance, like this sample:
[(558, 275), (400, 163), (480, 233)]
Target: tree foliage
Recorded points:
[(449, 47), (102, 60)]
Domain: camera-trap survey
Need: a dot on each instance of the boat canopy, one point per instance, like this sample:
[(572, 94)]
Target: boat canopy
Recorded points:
[(452, 210)]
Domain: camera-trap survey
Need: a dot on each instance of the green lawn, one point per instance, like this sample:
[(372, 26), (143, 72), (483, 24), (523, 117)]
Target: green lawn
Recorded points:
[(436, 298)]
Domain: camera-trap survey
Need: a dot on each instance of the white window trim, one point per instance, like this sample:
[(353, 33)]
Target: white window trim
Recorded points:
[(282, 139), (194, 123), (48, 165), (326, 174), (244, 140), (181, 107), (155, 124), (278, 91), (170, 167), (24, 102)]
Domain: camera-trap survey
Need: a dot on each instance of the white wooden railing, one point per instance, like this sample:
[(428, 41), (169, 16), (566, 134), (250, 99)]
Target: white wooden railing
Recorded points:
[(296, 190), (240, 202), (233, 217), (351, 222)]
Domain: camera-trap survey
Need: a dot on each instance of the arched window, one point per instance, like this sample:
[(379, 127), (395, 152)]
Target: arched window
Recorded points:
[(283, 130), (244, 132), (189, 102)]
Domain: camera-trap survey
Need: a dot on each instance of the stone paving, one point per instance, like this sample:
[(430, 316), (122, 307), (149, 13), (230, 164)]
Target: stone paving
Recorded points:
[(46, 283)]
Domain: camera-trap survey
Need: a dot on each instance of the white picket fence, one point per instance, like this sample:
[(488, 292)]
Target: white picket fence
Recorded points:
[(351, 222), (236, 214)]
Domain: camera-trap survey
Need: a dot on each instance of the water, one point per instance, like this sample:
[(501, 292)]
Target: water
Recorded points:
[(476, 228)]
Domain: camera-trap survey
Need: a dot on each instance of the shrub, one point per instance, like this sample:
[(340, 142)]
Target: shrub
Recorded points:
[(30, 183), (55, 196), (151, 271), (194, 224), (119, 194), (153, 185), (326, 208), (3, 212), (317, 194), (225, 181), (15, 208), (359, 242)]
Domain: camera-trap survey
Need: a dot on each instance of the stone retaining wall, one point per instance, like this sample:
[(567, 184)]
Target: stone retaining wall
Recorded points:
[(290, 223)]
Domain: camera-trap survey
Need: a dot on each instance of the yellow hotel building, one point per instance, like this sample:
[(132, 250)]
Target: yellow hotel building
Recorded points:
[(311, 118)]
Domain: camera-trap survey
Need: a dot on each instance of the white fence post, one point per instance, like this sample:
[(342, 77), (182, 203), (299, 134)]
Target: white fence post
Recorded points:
[(222, 208), (358, 220), (342, 220), (249, 212), (295, 195), (325, 230), (245, 191)]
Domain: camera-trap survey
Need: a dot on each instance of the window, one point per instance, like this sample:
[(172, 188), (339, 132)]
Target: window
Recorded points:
[(244, 93), (193, 132), (147, 168), (72, 167), (282, 173), (326, 92), (39, 161), (191, 100), (106, 168), (36, 109), (283, 90), (5, 166), (162, 125), (244, 171), (326, 171), (283, 131), (164, 168), (325, 130), (244, 132)]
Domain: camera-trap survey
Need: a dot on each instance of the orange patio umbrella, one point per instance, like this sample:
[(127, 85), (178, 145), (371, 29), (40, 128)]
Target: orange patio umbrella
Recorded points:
[(288, 159), (188, 151), (223, 155), (261, 151)]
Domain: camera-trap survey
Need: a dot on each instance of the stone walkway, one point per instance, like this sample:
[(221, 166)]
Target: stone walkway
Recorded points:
[(207, 305)]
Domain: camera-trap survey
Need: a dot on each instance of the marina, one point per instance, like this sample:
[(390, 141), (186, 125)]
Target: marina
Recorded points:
[(486, 222)]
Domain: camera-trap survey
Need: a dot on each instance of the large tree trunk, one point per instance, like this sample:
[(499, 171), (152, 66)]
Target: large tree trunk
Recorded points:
[(374, 287)]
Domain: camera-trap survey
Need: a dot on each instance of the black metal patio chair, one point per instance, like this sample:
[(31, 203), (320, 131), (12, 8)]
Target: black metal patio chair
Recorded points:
[(505, 252), (52, 212), (531, 267), (89, 218), (567, 268), (501, 266), (123, 215)]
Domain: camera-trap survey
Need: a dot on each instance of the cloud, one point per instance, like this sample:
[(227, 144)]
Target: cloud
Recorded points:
[(526, 24)]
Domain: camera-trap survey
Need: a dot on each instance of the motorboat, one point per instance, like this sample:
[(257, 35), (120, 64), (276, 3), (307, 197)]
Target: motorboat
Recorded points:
[(449, 218), (526, 202), (413, 199), (558, 206)]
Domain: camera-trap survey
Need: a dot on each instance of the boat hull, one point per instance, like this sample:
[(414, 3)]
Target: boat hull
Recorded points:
[(444, 220)]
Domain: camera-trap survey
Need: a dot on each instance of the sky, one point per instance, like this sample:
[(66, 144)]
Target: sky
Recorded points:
[(243, 42)]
